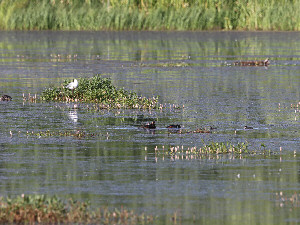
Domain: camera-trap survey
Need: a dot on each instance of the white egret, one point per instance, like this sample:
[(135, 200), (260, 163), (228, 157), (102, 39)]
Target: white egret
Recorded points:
[(72, 85)]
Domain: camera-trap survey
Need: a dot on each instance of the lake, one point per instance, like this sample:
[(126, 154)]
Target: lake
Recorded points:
[(117, 163)]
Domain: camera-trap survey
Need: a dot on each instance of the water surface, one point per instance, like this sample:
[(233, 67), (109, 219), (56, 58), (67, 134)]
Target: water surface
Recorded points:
[(110, 166)]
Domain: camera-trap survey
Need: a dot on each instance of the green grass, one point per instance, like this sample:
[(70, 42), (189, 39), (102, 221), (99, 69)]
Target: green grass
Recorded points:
[(98, 90), (150, 15)]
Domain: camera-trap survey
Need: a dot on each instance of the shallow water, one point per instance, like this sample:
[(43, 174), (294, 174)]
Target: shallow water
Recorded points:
[(110, 166)]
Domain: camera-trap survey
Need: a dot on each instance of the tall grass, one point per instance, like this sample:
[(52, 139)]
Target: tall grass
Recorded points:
[(150, 14)]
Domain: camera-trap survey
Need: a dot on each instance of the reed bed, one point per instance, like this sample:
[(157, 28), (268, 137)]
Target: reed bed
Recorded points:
[(40, 209), (149, 15)]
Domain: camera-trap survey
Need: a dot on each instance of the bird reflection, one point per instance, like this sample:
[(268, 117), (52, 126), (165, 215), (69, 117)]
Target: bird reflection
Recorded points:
[(73, 116)]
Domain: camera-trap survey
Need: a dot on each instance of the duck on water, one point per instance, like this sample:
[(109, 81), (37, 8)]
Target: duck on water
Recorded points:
[(5, 98), (149, 125)]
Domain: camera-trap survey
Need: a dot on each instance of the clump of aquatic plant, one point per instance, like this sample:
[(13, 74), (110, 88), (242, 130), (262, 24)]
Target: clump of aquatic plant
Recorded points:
[(222, 147), (198, 130), (30, 98), (40, 209), (283, 200), (297, 105), (78, 134), (213, 148), (98, 90), (68, 133), (166, 64)]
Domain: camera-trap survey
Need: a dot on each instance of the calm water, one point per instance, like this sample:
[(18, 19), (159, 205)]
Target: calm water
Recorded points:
[(112, 168)]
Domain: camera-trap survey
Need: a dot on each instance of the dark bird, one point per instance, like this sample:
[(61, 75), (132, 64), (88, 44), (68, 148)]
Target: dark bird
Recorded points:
[(150, 126), (5, 98), (247, 128), (177, 126)]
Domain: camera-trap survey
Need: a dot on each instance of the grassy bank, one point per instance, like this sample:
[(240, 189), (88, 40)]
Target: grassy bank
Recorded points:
[(40, 209), (149, 15)]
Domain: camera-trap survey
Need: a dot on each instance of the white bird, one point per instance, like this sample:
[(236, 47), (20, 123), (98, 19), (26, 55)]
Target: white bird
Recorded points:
[(72, 85)]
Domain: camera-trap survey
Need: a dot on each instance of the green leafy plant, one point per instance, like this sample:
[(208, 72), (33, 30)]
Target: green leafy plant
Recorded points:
[(99, 90), (221, 148), (215, 148), (212, 148)]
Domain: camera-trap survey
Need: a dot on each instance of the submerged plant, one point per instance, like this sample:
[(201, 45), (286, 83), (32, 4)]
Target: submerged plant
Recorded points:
[(99, 90)]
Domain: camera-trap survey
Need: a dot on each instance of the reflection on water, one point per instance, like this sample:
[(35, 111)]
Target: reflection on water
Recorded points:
[(115, 163), (72, 114)]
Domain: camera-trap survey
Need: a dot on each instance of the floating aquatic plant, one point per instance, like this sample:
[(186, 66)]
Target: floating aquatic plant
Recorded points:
[(166, 64), (40, 209), (198, 130), (79, 134), (213, 148), (99, 90), (68, 133), (283, 200), (222, 147), (30, 98)]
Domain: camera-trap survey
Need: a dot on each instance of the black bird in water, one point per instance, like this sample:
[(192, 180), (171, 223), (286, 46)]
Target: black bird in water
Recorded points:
[(5, 98), (247, 128), (176, 126), (150, 126)]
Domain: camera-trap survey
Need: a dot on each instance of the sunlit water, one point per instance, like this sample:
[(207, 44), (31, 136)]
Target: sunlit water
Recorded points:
[(116, 164)]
